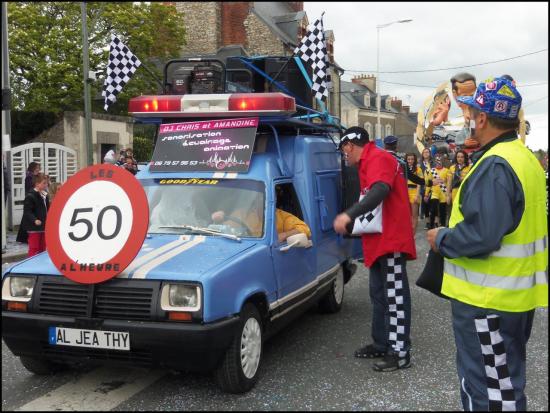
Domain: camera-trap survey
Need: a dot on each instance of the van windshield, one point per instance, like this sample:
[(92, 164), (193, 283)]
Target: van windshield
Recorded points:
[(229, 206)]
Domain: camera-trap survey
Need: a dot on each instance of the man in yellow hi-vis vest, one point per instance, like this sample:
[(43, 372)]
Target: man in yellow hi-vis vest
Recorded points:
[(496, 255)]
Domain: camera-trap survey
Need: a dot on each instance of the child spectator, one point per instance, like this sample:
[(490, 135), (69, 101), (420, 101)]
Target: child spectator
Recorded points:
[(34, 214)]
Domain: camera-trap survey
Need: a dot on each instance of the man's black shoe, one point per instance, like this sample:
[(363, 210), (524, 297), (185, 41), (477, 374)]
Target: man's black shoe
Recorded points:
[(369, 352), (392, 362)]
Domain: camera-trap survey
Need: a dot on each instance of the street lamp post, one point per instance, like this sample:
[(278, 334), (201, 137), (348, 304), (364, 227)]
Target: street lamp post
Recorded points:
[(378, 133)]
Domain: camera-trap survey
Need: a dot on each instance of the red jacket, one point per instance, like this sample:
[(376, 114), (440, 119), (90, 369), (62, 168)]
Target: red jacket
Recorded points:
[(377, 165)]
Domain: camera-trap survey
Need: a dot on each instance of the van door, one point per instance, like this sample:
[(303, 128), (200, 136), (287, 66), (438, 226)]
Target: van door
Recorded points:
[(294, 268)]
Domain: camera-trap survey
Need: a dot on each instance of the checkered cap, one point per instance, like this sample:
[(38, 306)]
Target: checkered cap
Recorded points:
[(122, 65), (313, 50), (355, 134)]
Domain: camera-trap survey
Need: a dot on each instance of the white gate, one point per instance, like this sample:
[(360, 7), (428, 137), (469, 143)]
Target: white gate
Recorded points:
[(57, 161)]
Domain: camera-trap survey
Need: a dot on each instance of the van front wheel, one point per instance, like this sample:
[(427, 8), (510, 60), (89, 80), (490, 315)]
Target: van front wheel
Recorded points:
[(238, 371), (332, 301)]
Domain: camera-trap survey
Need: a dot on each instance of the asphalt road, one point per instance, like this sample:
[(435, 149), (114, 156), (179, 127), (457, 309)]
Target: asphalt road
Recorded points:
[(307, 366)]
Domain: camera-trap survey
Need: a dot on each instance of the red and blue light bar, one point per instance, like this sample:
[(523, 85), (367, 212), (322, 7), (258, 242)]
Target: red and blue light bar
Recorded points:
[(242, 104)]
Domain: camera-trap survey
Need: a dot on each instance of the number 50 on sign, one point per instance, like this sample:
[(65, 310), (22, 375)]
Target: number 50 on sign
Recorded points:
[(97, 223)]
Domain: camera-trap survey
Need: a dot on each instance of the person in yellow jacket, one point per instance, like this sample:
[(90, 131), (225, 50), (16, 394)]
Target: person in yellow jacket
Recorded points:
[(414, 189), (438, 201), (286, 223), (457, 172), (495, 254)]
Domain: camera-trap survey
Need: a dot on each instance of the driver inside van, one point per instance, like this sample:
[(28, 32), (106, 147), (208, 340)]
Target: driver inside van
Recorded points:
[(287, 224)]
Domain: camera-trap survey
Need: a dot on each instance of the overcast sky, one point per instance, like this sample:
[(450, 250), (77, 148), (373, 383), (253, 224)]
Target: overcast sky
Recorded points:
[(445, 35)]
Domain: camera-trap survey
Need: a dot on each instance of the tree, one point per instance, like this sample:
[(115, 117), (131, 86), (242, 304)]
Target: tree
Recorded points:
[(46, 50)]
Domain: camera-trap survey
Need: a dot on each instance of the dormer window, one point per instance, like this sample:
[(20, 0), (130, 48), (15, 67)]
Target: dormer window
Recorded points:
[(366, 100)]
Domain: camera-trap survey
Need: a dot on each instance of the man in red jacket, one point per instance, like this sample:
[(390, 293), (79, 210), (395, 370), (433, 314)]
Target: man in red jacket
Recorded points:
[(386, 252)]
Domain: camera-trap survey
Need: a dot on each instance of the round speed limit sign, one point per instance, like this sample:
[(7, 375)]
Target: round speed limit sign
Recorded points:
[(97, 223)]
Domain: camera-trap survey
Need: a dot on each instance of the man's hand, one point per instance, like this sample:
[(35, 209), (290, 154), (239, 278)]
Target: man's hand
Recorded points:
[(431, 235), (37, 222), (340, 223)]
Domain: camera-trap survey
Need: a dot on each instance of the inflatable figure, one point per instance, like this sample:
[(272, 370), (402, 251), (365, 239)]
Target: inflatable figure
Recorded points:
[(435, 113)]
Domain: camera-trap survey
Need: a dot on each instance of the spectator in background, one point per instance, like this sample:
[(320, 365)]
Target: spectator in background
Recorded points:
[(35, 210), (425, 190), (457, 172), (438, 199), (32, 170), (130, 166), (130, 153), (121, 157), (54, 187), (413, 188), (110, 157)]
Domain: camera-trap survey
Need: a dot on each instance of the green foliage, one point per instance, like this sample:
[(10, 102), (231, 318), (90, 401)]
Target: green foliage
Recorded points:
[(45, 42), (143, 149)]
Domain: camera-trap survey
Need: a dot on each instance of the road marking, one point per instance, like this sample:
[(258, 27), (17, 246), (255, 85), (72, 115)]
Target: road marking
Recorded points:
[(101, 389)]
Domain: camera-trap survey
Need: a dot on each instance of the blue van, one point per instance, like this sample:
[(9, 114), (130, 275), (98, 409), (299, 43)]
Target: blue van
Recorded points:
[(202, 293)]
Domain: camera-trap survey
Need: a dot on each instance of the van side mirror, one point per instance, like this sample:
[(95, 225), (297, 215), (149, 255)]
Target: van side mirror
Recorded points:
[(297, 240)]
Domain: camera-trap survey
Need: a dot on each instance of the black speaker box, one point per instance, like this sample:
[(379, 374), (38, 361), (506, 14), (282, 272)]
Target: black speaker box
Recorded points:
[(291, 78)]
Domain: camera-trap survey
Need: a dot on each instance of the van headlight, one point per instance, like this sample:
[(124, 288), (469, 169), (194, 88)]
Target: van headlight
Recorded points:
[(18, 288), (180, 297)]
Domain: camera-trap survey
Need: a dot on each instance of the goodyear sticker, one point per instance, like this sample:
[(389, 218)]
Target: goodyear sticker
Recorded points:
[(190, 181), (506, 91)]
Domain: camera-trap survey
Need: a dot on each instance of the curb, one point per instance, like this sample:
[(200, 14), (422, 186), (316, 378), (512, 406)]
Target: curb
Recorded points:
[(14, 256)]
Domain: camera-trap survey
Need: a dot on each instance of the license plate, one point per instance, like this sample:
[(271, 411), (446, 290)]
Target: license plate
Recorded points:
[(75, 337)]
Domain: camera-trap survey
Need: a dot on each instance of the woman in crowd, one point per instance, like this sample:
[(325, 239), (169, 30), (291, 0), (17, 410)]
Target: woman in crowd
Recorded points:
[(35, 210), (425, 191), (438, 199), (32, 170), (414, 189), (457, 172)]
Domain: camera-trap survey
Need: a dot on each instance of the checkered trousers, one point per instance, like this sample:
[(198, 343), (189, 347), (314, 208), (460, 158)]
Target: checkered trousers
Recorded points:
[(499, 383), (396, 303)]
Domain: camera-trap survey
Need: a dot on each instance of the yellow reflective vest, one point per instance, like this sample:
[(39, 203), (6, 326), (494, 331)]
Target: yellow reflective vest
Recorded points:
[(515, 277)]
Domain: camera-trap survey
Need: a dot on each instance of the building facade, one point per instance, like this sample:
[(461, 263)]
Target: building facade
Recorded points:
[(359, 109)]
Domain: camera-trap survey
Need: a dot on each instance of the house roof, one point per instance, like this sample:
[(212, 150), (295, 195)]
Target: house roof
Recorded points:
[(278, 31)]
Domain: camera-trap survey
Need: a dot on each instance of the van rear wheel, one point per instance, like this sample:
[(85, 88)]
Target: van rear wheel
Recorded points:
[(238, 371), (332, 301)]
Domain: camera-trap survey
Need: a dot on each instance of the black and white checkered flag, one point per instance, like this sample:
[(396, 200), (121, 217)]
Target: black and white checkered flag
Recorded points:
[(122, 65), (313, 49)]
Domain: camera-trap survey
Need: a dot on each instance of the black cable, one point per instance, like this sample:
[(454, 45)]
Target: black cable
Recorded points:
[(451, 68)]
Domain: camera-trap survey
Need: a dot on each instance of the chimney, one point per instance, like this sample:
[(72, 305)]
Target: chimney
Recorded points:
[(406, 109), (366, 80), (396, 104)]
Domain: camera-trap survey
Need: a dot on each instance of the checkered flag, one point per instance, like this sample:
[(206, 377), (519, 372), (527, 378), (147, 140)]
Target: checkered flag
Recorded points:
[(122, 65), (313, 49)]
